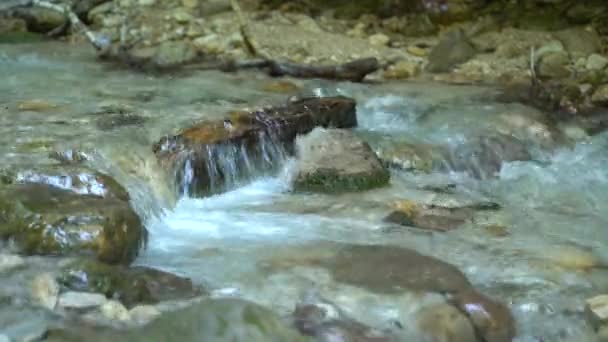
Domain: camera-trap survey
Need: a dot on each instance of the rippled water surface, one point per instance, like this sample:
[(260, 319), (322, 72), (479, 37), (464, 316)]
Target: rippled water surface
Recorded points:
[(554, 207)]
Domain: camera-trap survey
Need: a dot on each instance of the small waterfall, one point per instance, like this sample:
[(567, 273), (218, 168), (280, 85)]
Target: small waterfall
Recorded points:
[(217, 168)]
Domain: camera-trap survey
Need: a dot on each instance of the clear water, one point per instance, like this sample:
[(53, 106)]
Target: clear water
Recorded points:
[(554, 207)]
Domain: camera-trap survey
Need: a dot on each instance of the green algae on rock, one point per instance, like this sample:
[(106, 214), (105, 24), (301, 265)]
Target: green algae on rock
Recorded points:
[(336, 161), (129, 285), (205, 157), (47, 220)]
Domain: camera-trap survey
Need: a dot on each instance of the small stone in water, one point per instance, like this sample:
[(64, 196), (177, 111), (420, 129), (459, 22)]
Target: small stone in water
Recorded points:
[(143, 314), (45, 290), (36, 105), (115, 310), (9, 262), (81, 300), (596, 309)]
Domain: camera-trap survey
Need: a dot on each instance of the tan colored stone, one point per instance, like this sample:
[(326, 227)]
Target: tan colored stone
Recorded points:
[(417, 51), (596, 62), (571, 257), (596, 309), (36, 105), (403, 69), (445, 323), (379, 39), (143, 314), (114, 310), (45, 290)]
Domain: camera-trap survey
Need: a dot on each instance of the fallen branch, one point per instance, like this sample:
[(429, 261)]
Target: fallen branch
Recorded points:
[(250, 43), (99, 42)]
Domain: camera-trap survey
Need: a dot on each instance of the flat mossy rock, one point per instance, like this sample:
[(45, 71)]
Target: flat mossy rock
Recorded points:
[(206, 156), (336, 161), (48, 220), (213, 320), (129, 285)]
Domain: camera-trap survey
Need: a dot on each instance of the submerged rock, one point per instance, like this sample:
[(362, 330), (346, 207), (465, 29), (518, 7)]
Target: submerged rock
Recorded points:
[(219, 320), (334, 161), (444, 323), (390, 269), (325, 322), (412, 157), (483, 157), (207, 156), (434, 217), (130, 285), (48, 220)]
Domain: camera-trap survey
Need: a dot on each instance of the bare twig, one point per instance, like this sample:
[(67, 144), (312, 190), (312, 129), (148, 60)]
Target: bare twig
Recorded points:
[(250, 43)]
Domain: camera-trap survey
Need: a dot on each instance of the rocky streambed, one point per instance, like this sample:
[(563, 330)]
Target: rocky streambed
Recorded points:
[(222, 207)]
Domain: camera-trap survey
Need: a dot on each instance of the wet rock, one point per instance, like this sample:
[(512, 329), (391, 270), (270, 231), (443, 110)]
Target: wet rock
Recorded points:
[(131, 286), (78, 179), (596, 310), (432, 217), (389, 269), (492, 320), (43, 219), (496, 230), (45, 290), (114, 310), (596, 62), (143, 314), (218, 320), (444, 323), (72, 300), (208, 155), (9, 262), (321, 319), (70, 156), (334, 161), (600, 95), (572, 257), (412, 156), (454, 48), (554, 65), (483, 157), (115, 120), (402, 70), (37, 105)]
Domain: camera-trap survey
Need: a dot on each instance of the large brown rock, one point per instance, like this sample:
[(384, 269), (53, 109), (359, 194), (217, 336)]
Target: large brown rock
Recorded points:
[(209, 156)]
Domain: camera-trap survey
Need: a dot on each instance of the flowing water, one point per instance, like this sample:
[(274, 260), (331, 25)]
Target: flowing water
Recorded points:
[(235, 242)]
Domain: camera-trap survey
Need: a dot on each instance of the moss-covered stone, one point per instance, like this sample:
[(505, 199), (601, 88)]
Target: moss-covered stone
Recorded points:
[(208, 155), (130, 285), (43, 219), (335, 161)]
